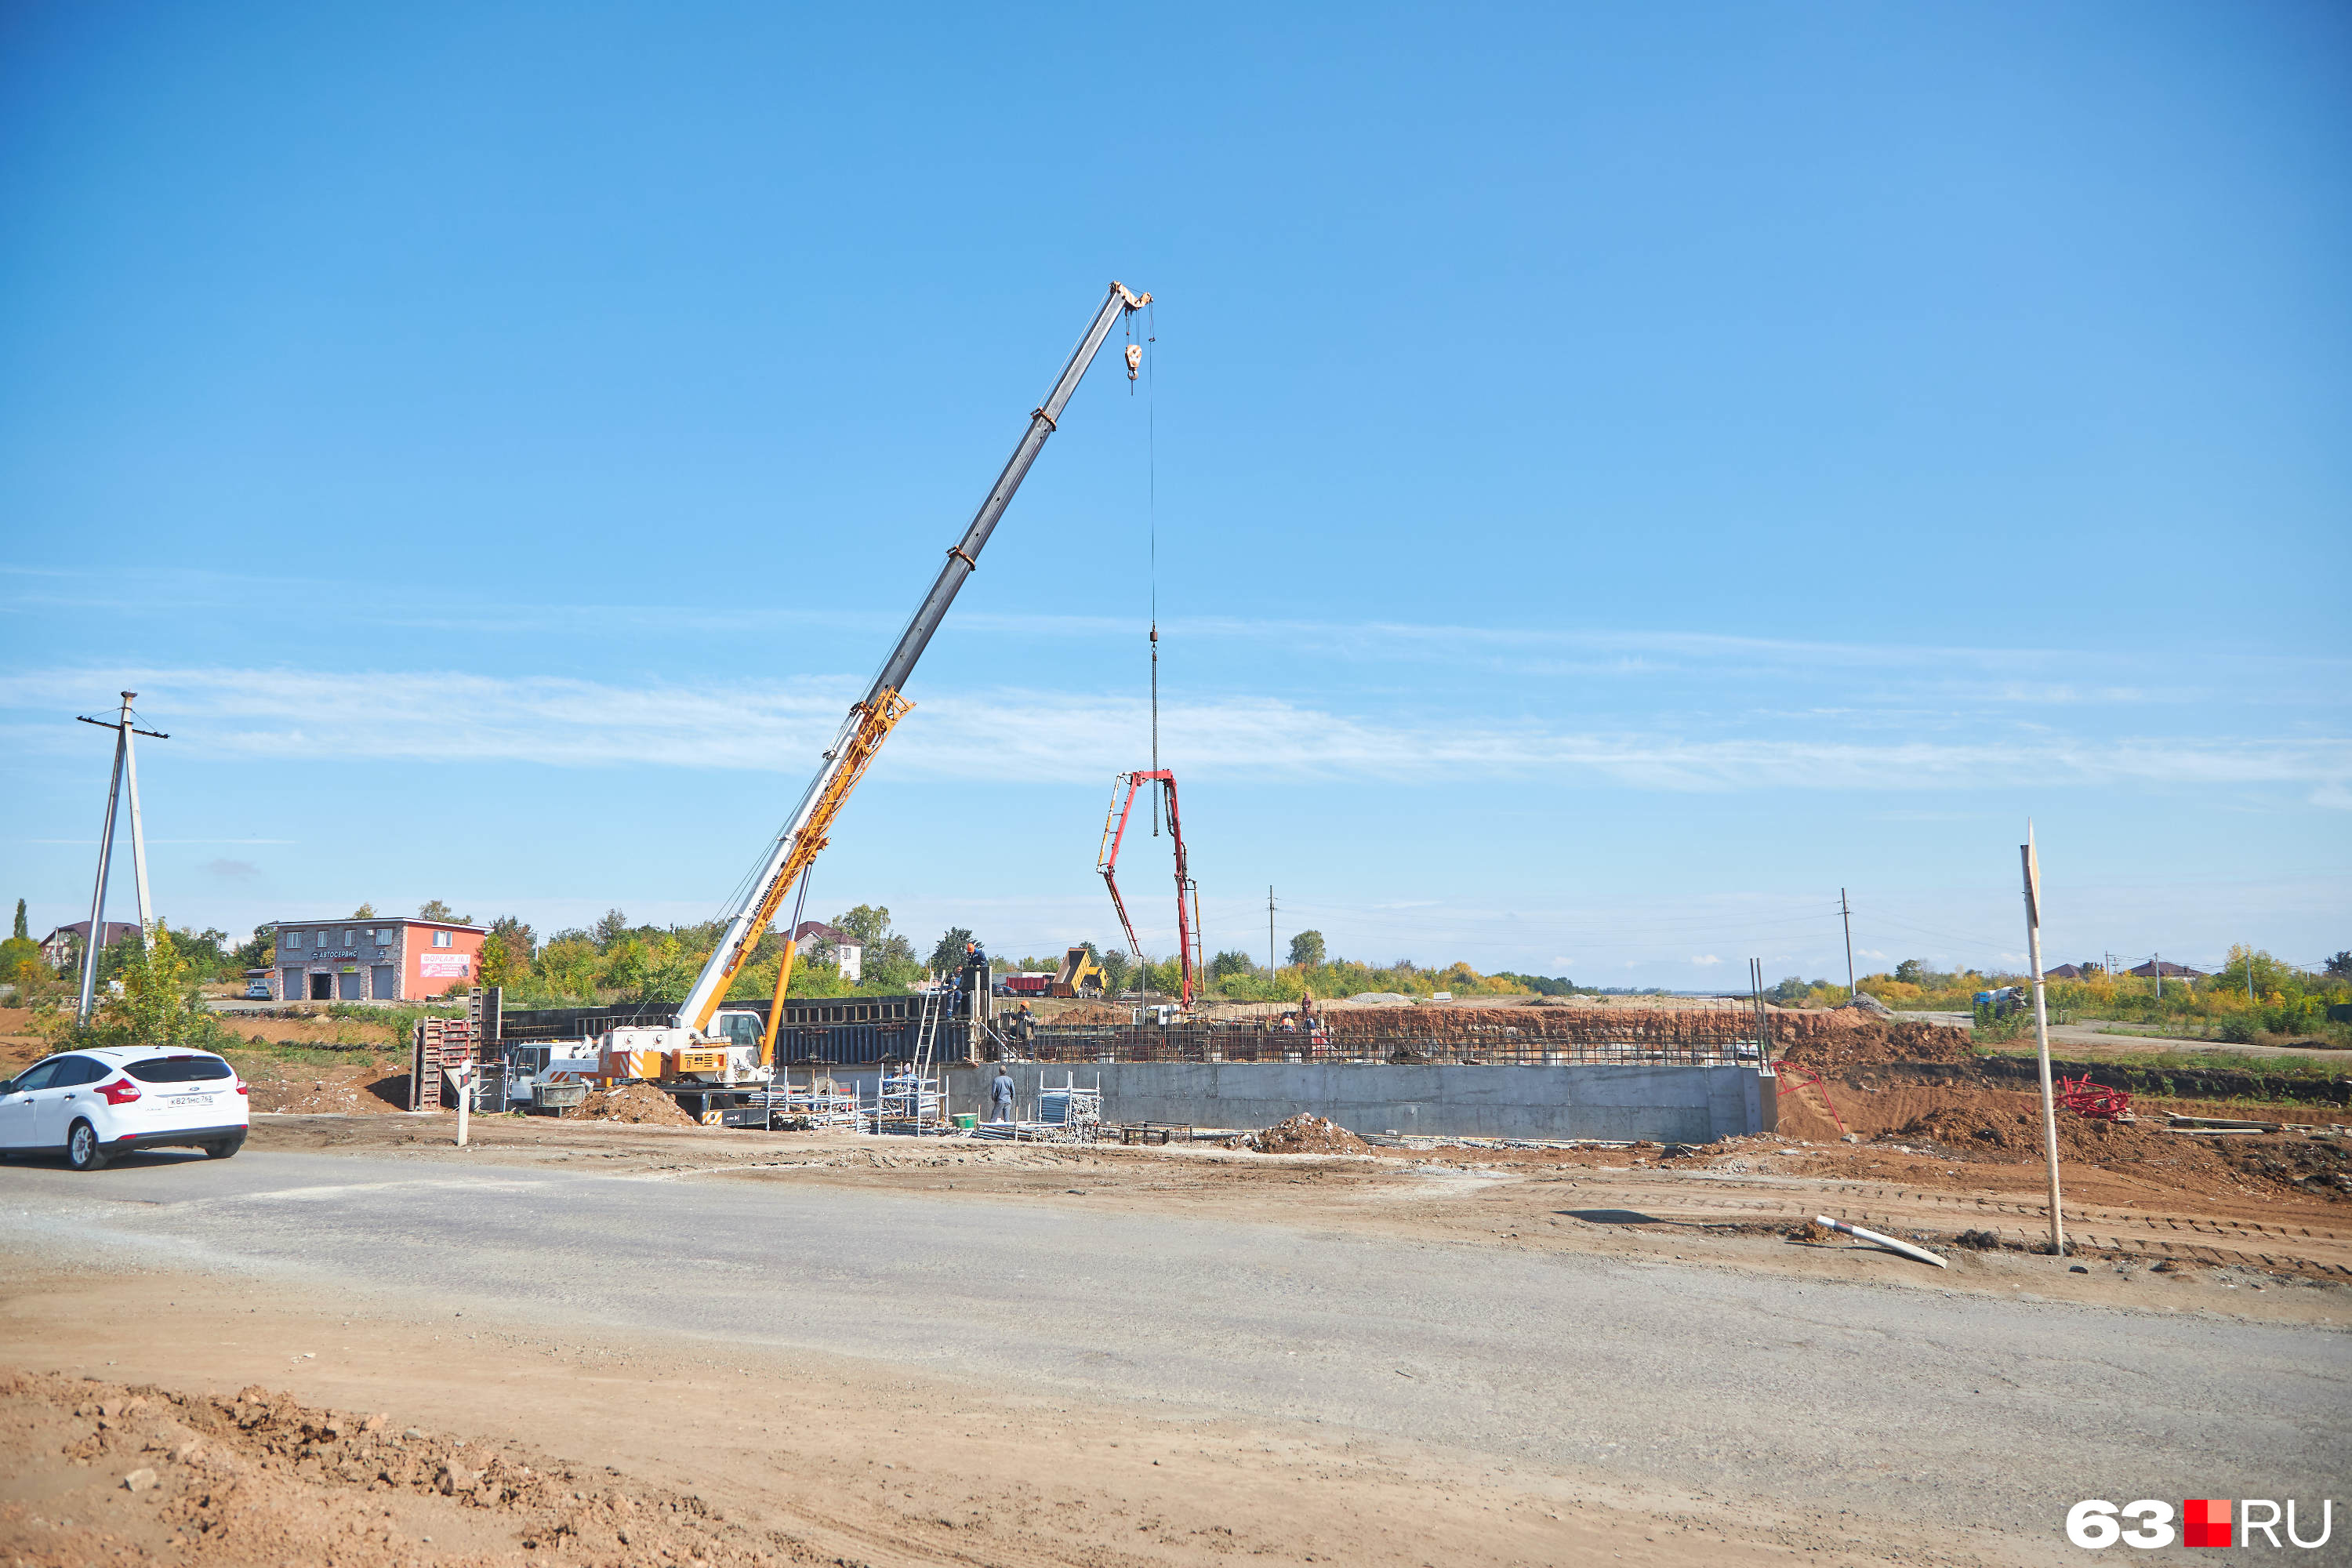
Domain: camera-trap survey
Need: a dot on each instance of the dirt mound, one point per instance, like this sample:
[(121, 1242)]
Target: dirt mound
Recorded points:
[(2010, 1134), (262, 1479), (639, 1103), (1087, 1016), (1305, 1133), (1864, 1002), (1836, 1042)]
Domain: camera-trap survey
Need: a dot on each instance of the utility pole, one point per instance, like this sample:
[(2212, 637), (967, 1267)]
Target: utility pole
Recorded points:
[(124, 764), (2155, 962), (1845, 910), (2041, 1031), (1269, 930)]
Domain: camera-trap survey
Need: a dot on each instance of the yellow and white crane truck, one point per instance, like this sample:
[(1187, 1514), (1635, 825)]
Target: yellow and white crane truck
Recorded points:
[(704, 1047)]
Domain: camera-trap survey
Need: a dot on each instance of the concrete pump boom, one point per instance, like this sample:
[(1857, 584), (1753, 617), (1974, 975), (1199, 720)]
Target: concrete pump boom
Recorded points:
[(870, 721)]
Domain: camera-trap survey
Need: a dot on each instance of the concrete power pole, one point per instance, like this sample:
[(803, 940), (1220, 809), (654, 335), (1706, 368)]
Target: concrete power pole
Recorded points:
[(2041, 1031), (124, 763), (1845, 910), (1270, 965)]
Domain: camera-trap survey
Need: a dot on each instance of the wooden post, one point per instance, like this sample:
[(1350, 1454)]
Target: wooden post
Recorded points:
[(2042, 1032)]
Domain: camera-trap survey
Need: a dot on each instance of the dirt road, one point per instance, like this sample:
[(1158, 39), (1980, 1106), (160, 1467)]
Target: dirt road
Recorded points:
[(1148, 1356)]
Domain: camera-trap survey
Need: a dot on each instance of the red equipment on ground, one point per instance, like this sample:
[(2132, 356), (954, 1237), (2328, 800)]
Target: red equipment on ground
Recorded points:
[(1188, 892), (2096, 1100)]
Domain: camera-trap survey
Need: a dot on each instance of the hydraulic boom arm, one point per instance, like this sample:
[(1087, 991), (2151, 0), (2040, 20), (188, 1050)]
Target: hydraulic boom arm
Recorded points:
[(870, 721), (1188, 892)]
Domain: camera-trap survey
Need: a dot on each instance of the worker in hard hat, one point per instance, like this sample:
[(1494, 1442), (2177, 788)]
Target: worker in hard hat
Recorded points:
[(1000, 1096)]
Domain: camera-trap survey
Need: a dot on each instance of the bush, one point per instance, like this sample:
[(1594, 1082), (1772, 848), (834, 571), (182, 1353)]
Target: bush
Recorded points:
[(160, 1006)]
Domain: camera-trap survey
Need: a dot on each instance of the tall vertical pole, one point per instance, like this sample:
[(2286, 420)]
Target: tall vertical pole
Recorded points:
[(1845, 910), (1269, 930), (138, 827), (2042, 1032), (97, 937), (2155, 962)]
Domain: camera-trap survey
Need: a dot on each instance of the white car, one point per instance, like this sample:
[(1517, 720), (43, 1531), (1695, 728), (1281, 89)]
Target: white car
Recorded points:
[(96, 1104)]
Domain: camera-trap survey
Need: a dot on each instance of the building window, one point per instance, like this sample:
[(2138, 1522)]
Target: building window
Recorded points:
[(383, 938), (347, 939), (293, 939), (443, 938)]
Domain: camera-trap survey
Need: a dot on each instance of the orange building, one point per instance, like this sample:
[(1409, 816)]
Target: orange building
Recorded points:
[(374, 959)]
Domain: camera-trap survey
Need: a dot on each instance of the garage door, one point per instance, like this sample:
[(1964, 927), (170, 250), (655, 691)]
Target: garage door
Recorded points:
[(347, 985), (380, 988), (289, 987)]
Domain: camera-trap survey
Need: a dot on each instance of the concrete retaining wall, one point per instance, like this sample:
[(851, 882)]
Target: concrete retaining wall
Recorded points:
[(1667, 1103)]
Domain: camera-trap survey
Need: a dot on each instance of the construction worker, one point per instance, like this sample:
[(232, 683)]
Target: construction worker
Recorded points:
[(1000, 1096)]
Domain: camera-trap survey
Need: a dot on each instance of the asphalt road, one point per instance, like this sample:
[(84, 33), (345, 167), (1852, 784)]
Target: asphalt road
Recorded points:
[(1959, 1410)]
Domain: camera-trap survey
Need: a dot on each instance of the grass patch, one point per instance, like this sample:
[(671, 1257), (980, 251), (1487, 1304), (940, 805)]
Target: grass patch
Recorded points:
[(288, 1053)]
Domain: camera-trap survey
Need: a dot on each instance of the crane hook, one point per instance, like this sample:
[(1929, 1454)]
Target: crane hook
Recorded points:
[(1134, 359)]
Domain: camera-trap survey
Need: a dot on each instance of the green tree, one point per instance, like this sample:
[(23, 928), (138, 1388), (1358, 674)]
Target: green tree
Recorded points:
[(1306, 950), (518, 944), (1230, 963), (949, 954), (626, 966), (1909, 972), (568, 964), (869, 924), (434, 910), (22, 932), (367, 912), (670, 970), (159, 1006), (1114, 967), (612, 928), (257, 950)]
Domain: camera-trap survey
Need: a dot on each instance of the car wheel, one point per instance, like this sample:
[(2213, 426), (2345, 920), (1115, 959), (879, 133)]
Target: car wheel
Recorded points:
[(222, 1148), (83, 1151)]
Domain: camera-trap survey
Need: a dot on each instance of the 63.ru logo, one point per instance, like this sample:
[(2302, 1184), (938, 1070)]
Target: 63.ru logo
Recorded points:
[(2095, 1523)]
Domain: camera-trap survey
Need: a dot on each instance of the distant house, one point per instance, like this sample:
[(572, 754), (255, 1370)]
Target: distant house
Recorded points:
[(2153, 968), (2064, 972), (374, 959), (848, 949), (60, 944)]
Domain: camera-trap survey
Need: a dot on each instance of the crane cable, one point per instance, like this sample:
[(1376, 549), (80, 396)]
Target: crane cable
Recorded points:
[(1151, 515)]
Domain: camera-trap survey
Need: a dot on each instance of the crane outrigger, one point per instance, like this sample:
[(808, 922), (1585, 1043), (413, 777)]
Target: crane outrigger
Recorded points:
[(704, 1047)]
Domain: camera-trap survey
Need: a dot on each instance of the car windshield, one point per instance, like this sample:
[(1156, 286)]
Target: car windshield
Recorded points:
[(179, 1069)]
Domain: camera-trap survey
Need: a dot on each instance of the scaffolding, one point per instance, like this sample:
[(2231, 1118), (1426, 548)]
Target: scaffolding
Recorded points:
[(909, 1100), (1066, 1114)]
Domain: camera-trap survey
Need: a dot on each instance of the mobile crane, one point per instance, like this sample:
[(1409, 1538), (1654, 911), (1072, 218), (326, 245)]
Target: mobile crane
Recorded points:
[(704, 1047), (1188, 892)]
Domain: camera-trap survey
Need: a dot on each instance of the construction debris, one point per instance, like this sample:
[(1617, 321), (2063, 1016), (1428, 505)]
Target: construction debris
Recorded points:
[(1305, 1133), (638, 1103), (2096, 1101), (1904, 1247)]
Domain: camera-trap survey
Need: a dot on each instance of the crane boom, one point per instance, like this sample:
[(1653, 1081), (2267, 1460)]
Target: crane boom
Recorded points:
[(870, 721)]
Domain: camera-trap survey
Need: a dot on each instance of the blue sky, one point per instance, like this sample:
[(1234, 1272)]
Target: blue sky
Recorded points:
[(1620, 475)]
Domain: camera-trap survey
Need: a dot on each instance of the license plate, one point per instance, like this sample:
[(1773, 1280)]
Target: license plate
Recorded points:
[(188, 1099)]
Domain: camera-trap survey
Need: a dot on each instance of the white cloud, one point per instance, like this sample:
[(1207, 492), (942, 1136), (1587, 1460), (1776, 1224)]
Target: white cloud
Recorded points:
[(1024, 736), (1706, 959)]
